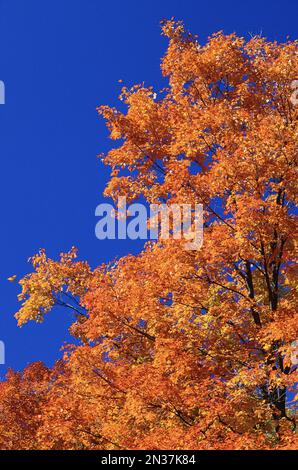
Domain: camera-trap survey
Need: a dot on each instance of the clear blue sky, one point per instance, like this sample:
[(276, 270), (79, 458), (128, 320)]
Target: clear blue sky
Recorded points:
[(59, 59)]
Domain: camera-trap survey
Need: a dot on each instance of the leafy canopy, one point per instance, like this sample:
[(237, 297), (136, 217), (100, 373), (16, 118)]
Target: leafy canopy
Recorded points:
[(182, 349)]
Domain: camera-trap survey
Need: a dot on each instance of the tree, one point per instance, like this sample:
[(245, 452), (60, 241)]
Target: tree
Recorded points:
[(187, 349)]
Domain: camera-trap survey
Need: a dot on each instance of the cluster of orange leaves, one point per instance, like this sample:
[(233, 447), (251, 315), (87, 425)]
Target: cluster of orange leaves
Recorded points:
[(181, 349)]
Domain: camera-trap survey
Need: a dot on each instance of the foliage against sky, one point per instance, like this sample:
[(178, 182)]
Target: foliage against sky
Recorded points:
[(181, 349)]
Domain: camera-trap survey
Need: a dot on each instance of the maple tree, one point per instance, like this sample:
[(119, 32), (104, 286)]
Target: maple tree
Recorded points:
[(182, 349)]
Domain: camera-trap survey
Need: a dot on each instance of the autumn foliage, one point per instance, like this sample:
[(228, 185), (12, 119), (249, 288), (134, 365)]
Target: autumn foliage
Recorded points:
[(180, 349)]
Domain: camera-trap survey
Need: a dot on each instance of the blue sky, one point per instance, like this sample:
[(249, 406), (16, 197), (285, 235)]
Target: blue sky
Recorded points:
[(60, 59)]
